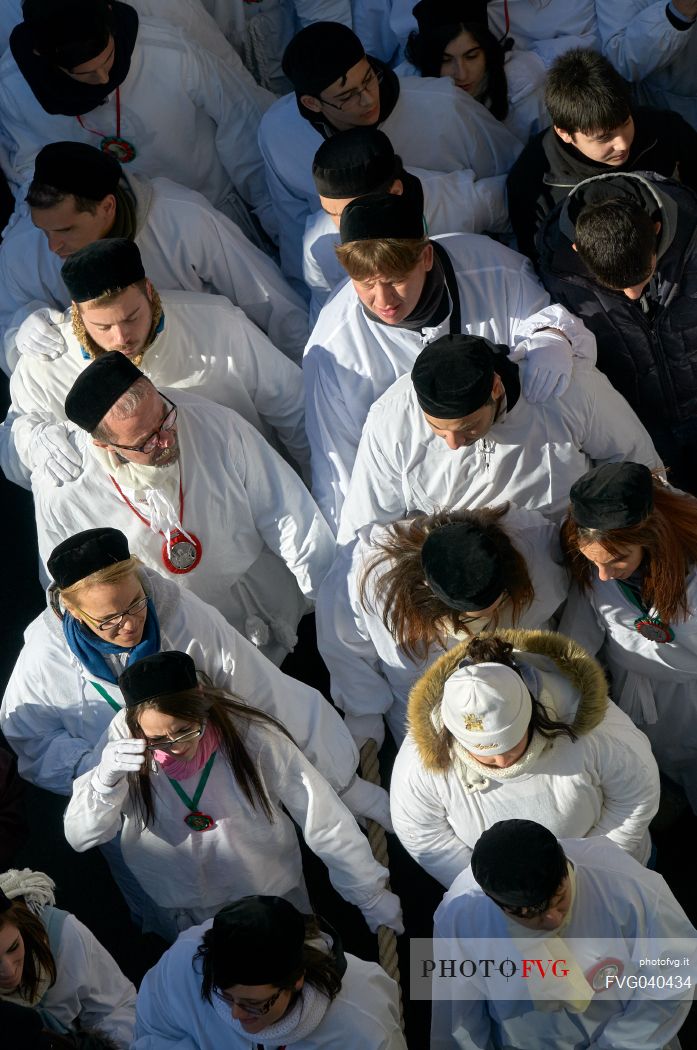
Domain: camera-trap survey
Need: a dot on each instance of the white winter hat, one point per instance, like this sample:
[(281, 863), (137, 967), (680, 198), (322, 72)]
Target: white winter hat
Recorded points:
[(487, 707)]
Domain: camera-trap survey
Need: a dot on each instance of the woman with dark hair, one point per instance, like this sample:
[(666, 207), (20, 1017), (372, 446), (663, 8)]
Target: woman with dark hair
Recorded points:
[(401, 594), (262, 974), (454, 40), (50, 961), (195, 782), (631, 545), (518, 724)]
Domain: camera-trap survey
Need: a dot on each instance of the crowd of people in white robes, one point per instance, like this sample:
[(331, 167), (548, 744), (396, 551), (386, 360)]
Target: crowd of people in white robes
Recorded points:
[(377, 316)]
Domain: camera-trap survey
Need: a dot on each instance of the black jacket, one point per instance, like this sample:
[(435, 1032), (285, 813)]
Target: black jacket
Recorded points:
[(647, 348), (548, 168)]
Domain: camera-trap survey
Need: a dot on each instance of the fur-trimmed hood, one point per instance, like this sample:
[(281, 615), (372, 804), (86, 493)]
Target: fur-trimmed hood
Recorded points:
[(561, 675)]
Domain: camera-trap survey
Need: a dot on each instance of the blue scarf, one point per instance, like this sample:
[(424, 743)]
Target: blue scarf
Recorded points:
[(89, 648)]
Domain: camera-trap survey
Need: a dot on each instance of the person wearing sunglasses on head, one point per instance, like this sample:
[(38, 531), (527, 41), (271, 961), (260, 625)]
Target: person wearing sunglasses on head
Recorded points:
[(195, 781), (263, 974)]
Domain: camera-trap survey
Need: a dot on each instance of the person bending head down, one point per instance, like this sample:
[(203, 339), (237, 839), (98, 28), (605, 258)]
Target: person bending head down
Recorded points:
[(359, 162), (618, 242)]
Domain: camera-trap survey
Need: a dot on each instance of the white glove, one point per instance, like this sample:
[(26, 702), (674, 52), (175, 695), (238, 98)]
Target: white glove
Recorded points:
[(369, 801), (119, 758), (365, 727), (38, 335), (548, 364), (384, 910), (53, 448)]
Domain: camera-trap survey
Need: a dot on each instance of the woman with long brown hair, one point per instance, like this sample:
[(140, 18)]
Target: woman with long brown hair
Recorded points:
[(400, 595), (50, 961), (196, 781), (631, 545)]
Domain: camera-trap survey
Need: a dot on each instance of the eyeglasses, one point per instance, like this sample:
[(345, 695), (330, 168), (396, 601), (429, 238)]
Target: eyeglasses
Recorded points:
[(169, 742), (151, 442), (373, 76), (257, 1009), (117, 619)]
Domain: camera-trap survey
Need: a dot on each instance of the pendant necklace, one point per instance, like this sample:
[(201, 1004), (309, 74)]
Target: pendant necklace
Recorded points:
[(180, 553), (114, 145), (196, 820), (650, 627)]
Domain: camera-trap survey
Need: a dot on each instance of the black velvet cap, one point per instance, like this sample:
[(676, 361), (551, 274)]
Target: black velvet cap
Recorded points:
[(75, 167), (170, 672), (462, 566), (97, 389), (519, 863), (256, 940), (320, 54), (613, 496), (453, 376), (103, 266), (356, 162), (429, 13), (379, 216), (86, 552)]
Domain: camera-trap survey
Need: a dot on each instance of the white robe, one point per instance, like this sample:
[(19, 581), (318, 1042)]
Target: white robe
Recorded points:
[(264, 540), (56, 721), (90, 988), (371, 675), (531, 456), (603, 783), (525, 75), (351, 360), (171, 1015), (618, 903), (645, 48), (172, 83), (654, 682), (184, 243), (206, 346), (464, 136), (547, 27), (244, 853), (454, 202)]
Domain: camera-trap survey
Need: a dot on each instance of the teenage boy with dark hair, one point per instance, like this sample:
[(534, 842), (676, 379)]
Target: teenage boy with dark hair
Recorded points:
[(595, 129), (621, 253)]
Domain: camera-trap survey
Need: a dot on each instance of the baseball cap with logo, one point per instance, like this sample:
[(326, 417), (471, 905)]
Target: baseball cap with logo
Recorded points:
[(487, 707)]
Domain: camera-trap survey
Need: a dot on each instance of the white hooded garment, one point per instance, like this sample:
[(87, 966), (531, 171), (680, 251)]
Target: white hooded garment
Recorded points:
[(351, 359), (647, 49), (184, 243), (244, 852), (531, 455), (654, 682), (173, 83), (266, 547), (171, 1015), (431, 122), (203, 345), (616, 901), (454, 202), (371, 675), (55, 718), (603, 783)]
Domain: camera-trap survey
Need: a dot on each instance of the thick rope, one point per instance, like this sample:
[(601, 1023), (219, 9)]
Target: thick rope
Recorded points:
[(387, 938), (254, 53)]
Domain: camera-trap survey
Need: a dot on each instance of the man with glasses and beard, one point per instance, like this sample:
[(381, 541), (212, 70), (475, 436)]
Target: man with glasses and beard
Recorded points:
[(201, 496)]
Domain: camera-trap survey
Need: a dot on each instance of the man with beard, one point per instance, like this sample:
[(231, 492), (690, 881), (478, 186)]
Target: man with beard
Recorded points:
[(90, 71), (188, 340), (199, 494)]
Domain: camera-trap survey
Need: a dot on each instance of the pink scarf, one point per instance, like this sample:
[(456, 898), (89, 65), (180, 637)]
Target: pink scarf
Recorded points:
[(180, 768)]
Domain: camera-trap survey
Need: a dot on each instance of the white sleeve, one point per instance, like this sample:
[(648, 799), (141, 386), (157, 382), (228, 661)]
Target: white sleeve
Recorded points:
[(290, 210), (488, 148), (344, 642), (236, 665), (421, 821), (583, 345), (628, 778), (612, 432), (94, 813), (309, 11), (159, 1007), (375, 490), (286, 516), (328, 828), (459, 202), (637, 37), (92, 985), (580, 621)]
